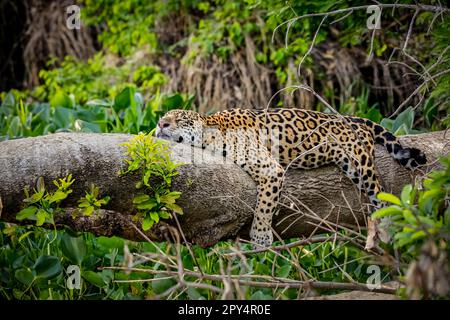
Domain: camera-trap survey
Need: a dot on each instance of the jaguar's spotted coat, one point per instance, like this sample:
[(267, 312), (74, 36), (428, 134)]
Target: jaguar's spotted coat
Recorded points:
[(265, 142)]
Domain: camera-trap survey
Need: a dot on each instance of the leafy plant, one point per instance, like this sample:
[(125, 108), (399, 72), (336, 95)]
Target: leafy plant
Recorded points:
[(402, 124), (126, 112), (43, 204), (90, 202), (152, 158), (418, 214)]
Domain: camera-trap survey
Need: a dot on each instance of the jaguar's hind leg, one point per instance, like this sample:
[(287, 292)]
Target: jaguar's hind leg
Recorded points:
[(360, 169)]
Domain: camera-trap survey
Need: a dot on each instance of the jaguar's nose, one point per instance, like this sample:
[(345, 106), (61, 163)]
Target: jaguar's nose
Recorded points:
[(163, 123)]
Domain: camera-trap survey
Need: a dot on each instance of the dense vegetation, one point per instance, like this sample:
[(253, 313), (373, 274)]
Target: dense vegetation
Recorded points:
[(153, 56)]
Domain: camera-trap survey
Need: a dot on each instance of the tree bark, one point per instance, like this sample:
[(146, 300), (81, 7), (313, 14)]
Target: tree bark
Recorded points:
[(217, 197)]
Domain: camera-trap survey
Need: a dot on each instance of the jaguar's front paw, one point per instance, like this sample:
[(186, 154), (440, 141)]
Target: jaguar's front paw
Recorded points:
[(261, 239)]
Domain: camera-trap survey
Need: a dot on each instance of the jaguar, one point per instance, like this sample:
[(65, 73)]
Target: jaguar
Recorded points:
[(264, 143)]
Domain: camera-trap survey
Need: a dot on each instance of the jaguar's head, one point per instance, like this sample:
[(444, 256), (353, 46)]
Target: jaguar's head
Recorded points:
[(181, 126)]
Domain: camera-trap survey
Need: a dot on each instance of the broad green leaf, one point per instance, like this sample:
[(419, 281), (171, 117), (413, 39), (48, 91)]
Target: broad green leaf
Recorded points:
[(406, 194), (8, 101), (154, 216), (418, 235), (389, 198), (147, 205), (405, 119), (403, 241), (88, 210), (99, 102), (73, 248), (409, 217), (40, 217), (173, 102), (63, 118), (140, 198), (26, 213), (259, 295), (57, 196), (124, 99), (83, 204), (164, 214), (147, 223), (174, 207), (284, 271), (387, 211), (47, 267), (162, 285), (194, 294), (25, 276), (40, 185), (60, 99), (93, 278), (387, 123)]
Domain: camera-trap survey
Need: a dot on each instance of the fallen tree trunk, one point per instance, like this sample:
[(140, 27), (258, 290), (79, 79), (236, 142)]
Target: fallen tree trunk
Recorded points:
[(217, 197)]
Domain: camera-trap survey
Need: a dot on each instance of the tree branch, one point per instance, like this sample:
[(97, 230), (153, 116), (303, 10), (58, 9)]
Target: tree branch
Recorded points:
[(217, 196)]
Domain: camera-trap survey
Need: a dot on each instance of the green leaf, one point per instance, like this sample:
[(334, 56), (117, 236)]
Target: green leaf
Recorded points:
[(47, 267), (93, 278), (147, 223), (40, 185), (418, 235), (60, 99), (147, 205), (259, 295), (40, 217), (99, 102), (174, 207), (160, 286), (154, 216), (409, 217), (389, 198), (25, 235), (387, 124), (63, 118), (405, 119), (73, 248), (164, 214), (406, 194), (57, 196), (88, 211), (26, 213), (388, 211), (83, 204), (172, 102), (25, 276), (124, 99), (140, 198), (284, 271), (194, 294)]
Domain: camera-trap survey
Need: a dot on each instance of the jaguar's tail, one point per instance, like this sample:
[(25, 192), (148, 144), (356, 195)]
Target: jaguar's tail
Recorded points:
[(410, 158)]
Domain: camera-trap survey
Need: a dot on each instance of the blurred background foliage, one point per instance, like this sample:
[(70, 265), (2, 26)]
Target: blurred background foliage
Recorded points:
[(132, 60), (218, 55)]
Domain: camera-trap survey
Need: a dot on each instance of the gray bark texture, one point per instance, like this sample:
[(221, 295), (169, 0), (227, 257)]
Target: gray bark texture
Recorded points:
[(217, 197)]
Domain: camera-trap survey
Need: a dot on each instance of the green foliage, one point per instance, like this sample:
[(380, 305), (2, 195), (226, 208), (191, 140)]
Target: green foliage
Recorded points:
[(419, 214), (120, 90), (43, 204), (127, 112), (90, 202), (151, 157), (360, 107), (95, 78), (402, 124)]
